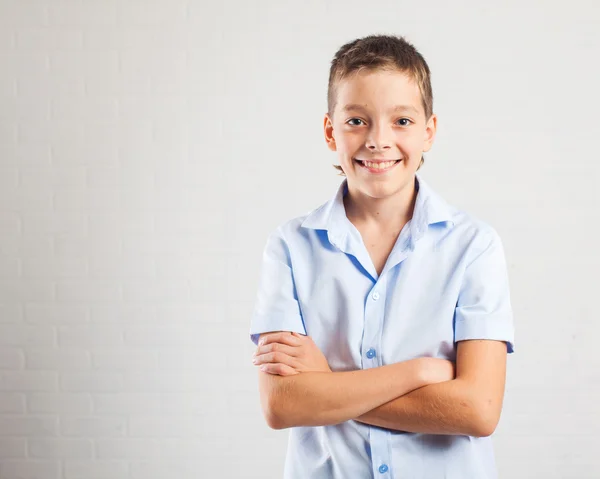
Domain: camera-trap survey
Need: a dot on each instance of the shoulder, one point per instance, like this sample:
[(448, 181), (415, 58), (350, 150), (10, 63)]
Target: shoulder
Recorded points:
[(473, 228), (302, 227), (471, 233), (459, 228), (293, 243)]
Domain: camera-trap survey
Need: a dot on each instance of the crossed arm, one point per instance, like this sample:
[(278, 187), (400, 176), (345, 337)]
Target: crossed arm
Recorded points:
[(423, 395)]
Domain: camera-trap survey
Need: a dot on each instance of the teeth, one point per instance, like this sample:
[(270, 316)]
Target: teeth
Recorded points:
[(378, 165)]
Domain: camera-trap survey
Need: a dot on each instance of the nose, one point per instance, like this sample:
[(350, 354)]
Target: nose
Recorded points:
[(379, 139)]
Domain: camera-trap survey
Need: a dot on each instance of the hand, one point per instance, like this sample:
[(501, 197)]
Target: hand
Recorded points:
[(436, 370), (286, 354)]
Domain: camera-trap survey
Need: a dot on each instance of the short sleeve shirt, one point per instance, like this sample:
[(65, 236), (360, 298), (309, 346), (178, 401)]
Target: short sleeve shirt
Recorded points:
[(444, 281)]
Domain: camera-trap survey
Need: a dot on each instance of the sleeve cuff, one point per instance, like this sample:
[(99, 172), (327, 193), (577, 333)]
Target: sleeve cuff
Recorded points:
[(267, 324), (497, 328)]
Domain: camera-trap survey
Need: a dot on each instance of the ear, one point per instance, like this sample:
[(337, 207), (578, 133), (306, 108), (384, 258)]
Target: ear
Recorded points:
[(430, 130), (328, 130)]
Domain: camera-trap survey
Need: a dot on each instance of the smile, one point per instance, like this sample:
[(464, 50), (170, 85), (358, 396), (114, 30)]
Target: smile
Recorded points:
[(377, 166)]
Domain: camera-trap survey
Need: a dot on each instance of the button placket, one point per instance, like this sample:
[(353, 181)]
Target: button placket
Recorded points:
[(373, 324), (374, 312), (380, 452)]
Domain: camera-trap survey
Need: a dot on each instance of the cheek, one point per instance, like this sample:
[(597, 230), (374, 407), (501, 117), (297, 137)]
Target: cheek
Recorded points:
[(348, 142), (412, 144), (345, 152)]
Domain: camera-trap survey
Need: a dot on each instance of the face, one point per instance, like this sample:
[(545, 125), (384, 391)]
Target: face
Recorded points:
[(379, 131)]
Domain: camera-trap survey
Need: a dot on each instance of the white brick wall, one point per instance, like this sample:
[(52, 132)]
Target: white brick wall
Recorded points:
[(134, 137), (103, 216)]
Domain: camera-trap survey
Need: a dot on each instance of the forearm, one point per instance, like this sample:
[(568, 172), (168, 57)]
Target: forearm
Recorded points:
[(444, 408), (320, 398)]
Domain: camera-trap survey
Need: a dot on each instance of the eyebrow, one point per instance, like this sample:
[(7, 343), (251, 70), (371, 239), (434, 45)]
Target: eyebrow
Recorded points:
[(354, 106)]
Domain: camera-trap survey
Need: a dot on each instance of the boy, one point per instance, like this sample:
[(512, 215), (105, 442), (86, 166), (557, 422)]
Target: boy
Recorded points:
[(384, 315)]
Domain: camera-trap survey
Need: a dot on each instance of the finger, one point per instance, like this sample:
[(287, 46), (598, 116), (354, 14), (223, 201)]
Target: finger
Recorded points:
[(284, 337), (276, 357), (273, 347), (278, 369)]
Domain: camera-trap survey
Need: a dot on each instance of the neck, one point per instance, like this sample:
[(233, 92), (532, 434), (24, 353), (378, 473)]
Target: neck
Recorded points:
[(392, 212)]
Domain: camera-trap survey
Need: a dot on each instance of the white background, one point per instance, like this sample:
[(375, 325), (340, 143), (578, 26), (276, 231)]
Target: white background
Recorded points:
[(147, 148)]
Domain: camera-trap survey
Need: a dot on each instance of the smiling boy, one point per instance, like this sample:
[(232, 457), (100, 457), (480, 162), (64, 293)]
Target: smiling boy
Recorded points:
[(383, 317)]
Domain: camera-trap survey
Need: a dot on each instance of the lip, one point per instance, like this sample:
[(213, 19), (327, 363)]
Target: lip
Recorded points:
[(377, 171)]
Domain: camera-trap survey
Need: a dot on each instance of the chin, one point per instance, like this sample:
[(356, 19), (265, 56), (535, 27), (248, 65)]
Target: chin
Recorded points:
[(382, 189)]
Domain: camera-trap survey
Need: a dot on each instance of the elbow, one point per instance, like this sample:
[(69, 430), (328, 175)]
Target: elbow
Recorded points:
[(274, 414), (484, 413), (485, 422), (273, 422), (483, 429), (280, 413), (273, 392), (283, 402), (274, 419)]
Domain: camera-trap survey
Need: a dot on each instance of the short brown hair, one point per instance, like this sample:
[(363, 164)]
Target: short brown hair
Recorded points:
[(380, 52)]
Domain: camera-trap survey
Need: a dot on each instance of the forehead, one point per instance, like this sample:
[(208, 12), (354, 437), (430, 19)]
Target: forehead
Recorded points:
[(385, 90)]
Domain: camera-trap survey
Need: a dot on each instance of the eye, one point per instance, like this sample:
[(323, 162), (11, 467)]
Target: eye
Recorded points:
[(353, 119), (406, 120)]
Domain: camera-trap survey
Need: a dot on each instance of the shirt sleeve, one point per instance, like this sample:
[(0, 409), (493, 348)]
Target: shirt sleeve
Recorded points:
[(276, 307), (483, 309)]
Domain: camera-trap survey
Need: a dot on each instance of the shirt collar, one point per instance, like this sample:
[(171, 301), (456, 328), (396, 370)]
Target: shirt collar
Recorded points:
[(429, 209)]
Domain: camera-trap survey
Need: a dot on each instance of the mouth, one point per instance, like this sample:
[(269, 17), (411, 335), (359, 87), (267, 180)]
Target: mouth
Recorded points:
[(377, 166)]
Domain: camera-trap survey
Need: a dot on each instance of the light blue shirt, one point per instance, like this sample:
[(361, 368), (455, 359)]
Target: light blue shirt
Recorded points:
[(444, 281)]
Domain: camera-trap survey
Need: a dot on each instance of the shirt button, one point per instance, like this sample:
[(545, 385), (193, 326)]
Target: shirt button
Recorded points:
[(383, 468), (375, 295), (371, 353)]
